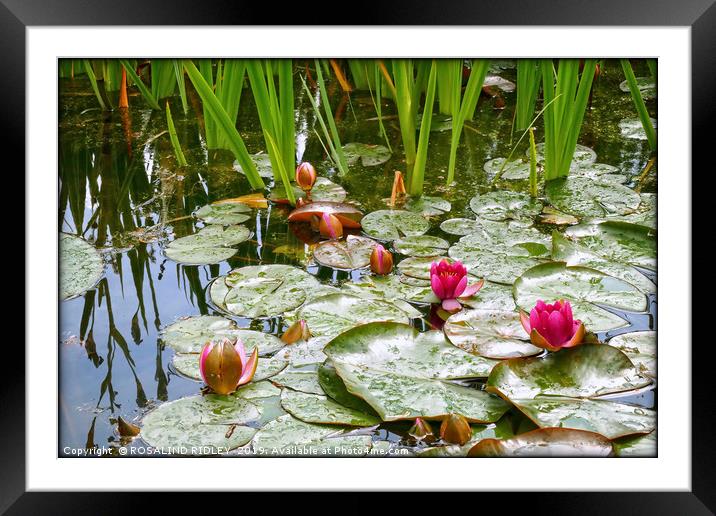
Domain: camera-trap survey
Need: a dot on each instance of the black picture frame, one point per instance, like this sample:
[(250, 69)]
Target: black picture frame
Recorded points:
[(700, 15)]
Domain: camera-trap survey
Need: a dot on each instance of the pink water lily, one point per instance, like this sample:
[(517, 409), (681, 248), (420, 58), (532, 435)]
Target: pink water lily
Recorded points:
[(449, 283), (381, 261), (552, 326), (224, 365)]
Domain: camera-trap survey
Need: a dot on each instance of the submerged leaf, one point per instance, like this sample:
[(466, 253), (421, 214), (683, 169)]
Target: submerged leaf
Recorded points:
[(81, 266)]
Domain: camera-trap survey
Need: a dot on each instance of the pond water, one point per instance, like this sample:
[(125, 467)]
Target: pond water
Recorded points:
[(122, 191)]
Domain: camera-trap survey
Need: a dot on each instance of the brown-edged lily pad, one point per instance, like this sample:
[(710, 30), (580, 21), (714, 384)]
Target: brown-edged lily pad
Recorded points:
[(347, 214), (546, 442), (351, 253)]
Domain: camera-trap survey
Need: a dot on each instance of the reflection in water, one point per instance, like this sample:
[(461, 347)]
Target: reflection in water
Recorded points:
[(121, 190)]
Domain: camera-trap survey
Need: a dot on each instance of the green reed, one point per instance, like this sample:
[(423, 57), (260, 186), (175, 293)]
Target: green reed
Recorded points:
[(528, 82), (641, 109)]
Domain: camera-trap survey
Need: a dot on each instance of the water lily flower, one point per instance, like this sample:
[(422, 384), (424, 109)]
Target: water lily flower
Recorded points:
[(381, 261), (449, 282), (224, 366), (421, 431), (297, 331), (553, 327), (455, 429), (305, 176), (330, 227)]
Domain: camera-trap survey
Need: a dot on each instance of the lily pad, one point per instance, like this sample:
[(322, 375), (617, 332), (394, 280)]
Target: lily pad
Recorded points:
[(640, 347), (418, 267), (211, 244), (262, 290), (618, 242), (288, 436), (423, 245), (551, 215), (369, 155), (586, 289), (646, 85), (514, 170), (636, 446), (390, 288), (189, 335), (346, 213), (492, 296), (499, 264), (334, 387), (499, 82), (188, 365), (224, 214), (302, 381), (428, 206), (489, 333), (333, 314), (574, 254), (353, 253), (262, 162), (546, 442), (645, 214), (81, 266), (582, 156), (318, 409), (510, 234), (584, 197), (586, 371), (305, 353), (632, 129), (610, 419), (323, 190), (460, 226), (505, 205), (600, 171), (388, 225)]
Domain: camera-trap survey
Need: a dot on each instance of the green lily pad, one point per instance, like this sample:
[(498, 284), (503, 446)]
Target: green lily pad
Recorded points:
[(499, 264), (212, 244), (263, 165), (514, 170), (333, 314), (401, 349), (505, 205), (388, 225), (423, 245), (288, 436), (645, 214), (582, 156), (390, 288), (224, 214), (510, 234), (610, 419), (618, 242), (189, 335), (636, 446), (319, 409), (552, 215), (81, 266), (302, 381), (646, 85), (492, 296), (489, 333), (499, 82), (262, 290), (323, 190), (352, 253), (460, 226), (571, 253), (585, 371), (369, 155), (600, 171), (305, 353), (640, 347), (586, 289), (584, 197), (418, 267), (428, 206), (188, 365), (334, 387), (546, 442)]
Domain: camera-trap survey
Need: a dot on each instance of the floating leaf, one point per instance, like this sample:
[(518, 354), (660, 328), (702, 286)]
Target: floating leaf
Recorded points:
[(390, 288), (492, 296), (510, 234), (618, 242), (505, 205), (645, 214), (369, 155), (640, 347), (81, 266), (423, 245), (500, 264), (489, 333), (418, 267), (514, 170), (582, 155), (546, 442), (388, 225), (318, 409), (585, 371), (610, 419), (551, 215), (189, 335), (636, 446), (188, 365), (262, 290), (599, 171), (351, 253), (305, 352), (584, 197), (347, 214), (333, 314), (262, 162), (302, 381), (460, 226), (334, 387), (646, 85), (224, 214), (428, 206), (586, 289), (499, 82), (211, 244)]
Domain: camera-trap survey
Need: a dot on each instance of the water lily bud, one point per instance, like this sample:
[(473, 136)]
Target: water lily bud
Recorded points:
[(330, 227), (552, 326), (421, 431), (381, 261), (305, 176), (126, 429), (224, 365), (455, 429), (297, 331)]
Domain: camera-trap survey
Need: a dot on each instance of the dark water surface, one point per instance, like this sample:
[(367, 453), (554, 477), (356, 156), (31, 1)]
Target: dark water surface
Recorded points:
[(120, 188)]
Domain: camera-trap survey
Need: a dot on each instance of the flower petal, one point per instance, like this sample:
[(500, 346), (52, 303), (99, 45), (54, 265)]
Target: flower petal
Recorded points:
[(525, 320), (559, 333), (460, 288), (577, 338), (538, 340), (241, 350), (202, 359), (451, 305), (249, 368), (437, 286), (473, 289)]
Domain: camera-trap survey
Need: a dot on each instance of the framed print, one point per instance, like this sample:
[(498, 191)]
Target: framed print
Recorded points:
[(341, 250)]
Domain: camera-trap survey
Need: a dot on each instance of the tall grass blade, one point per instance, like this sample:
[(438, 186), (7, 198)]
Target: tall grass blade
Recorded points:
[(93, 81), (533, 163), (179, 73), (415, 187), (337, 146), (151, 100), (175, 139), (528, 82), (331, 150), (639, 103)]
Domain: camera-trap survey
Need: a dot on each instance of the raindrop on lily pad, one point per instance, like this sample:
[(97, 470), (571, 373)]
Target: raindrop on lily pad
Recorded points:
[(81, 266), (585, 197), (428, 206), (618, 242), (389, 225), (422, 245), (505, 205), (319, 409)]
